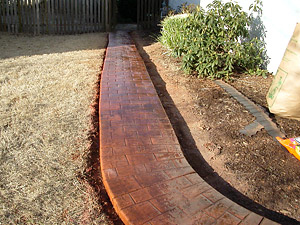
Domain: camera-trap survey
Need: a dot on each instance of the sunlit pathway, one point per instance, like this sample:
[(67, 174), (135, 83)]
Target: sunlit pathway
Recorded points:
[(144, 171)]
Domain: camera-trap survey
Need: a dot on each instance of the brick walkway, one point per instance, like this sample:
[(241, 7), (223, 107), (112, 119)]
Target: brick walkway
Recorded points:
[(144, 171)]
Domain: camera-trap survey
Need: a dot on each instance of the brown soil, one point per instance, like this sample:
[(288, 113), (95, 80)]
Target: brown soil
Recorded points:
[(254, 171)]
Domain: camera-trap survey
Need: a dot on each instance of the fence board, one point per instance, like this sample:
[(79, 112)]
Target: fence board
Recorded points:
[(138, 14), (149, 14), (75, 16), (59, 16), (64, 16), (1, 16), (38, 22), (95, 15), (7, 17), (28, 13), (110, 14), (24, 18), (21, 15), (70, 11), (72, 17), (67, 16), (83, 16), (12, 19), (142, 13), (34, 16), (87, 11), (48, 17), (15, 17), (103, 13), (98, 14), (90, 9)]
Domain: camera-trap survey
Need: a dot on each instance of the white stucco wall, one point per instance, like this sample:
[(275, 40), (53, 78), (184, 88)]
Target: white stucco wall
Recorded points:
[(175, 3), (280, 18)]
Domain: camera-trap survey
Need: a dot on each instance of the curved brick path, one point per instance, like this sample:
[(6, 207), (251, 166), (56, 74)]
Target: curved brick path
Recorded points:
[(144, 171)]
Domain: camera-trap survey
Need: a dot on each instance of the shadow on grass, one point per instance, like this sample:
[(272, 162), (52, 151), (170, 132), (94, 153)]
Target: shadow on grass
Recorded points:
[(191, 151)]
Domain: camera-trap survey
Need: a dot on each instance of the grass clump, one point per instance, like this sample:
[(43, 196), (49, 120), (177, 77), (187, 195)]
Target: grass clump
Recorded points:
[(214, 42)]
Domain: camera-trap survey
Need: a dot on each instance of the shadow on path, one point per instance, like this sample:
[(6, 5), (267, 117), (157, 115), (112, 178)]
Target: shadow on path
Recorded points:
[(192, 152)]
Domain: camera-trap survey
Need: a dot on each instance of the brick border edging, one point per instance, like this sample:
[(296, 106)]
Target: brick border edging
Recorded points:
[(260, 116), (144, 171)]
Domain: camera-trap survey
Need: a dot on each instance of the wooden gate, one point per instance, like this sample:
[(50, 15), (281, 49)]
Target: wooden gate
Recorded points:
[(149, 13)]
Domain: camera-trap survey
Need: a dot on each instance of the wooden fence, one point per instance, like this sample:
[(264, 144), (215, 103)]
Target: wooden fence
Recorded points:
[(70, 16), (55, 16)]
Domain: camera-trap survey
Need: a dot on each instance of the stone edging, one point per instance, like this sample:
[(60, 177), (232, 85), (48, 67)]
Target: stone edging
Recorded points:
[(260, 116)]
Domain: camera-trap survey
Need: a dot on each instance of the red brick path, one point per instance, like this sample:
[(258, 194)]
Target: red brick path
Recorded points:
[(144, 171)]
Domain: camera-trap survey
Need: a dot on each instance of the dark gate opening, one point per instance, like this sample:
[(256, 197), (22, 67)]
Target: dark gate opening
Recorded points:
[(145, 13), (127, 11), (149, 13)]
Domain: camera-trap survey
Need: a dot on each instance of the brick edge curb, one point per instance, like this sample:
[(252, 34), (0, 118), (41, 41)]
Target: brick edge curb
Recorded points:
[(261, 117)]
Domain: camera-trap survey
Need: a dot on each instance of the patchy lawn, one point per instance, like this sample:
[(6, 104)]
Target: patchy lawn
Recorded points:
[(47, 87)]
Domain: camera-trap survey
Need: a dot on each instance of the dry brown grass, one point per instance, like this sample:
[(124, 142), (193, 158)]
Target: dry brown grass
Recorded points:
[(47, 85)]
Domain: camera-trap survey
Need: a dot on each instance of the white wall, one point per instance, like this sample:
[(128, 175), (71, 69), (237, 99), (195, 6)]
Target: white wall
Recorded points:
[(175, 3), (280, 18)]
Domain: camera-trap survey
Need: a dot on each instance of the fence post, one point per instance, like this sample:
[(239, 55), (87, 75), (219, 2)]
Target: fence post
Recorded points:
[(28, 15), (38, 22), (91, 15), (72, 17), (15, 17), (103, 14), (99, 15), (142, 13), (34, 16), (95, 15), (76, 23), (138, 14), (88, 15), (64, 17), (110, 14), (106, 15), (67, 17), (12, 17), (2, 14), (21, 14), (48, 18), (25, 22)]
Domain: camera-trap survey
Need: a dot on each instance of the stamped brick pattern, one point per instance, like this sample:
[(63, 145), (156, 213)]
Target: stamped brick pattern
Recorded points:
[(144, 171)]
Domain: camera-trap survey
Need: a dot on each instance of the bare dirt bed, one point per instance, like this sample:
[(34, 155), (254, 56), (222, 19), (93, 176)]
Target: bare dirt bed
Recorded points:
[(48, 86), (207, 121)]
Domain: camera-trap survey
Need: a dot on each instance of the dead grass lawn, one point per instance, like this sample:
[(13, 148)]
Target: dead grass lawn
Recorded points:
[(47, 85)]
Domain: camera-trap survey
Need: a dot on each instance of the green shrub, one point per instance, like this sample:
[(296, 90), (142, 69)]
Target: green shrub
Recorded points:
[(215, 43)]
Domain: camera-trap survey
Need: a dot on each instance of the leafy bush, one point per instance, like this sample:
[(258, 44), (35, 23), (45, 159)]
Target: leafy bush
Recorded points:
[(214, 43)]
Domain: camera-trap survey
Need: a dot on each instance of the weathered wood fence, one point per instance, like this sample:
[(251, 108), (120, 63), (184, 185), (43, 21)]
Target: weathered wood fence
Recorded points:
[(70, 16), (55, 16)]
